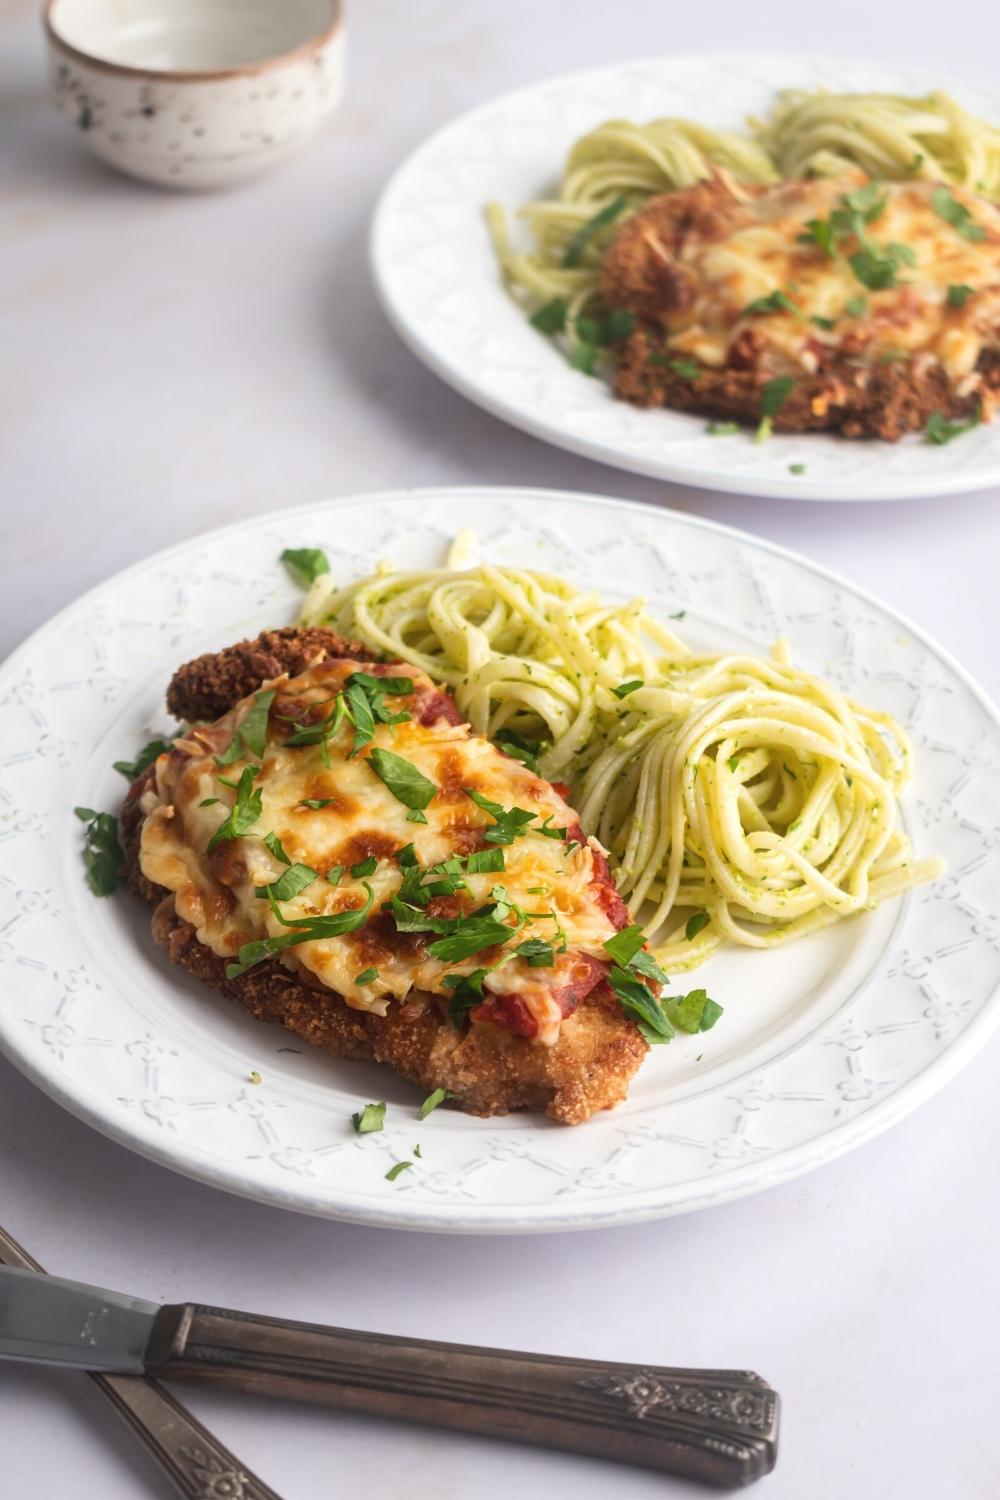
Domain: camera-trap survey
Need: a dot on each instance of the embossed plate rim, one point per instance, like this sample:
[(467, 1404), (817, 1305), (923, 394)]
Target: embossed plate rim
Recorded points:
[(404, 1210)]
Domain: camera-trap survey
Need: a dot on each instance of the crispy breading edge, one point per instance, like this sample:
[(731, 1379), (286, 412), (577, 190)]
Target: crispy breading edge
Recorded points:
[(489, 1070)]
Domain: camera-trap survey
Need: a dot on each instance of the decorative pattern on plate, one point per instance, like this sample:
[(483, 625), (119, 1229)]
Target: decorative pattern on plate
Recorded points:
[(439, 284), (822, 1045)]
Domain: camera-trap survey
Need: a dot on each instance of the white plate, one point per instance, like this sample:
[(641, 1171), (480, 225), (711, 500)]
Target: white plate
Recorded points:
[(438, 281), (822, 1044)]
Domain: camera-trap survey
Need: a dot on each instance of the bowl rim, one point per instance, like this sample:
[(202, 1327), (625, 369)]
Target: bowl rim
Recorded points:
[(192, 75)]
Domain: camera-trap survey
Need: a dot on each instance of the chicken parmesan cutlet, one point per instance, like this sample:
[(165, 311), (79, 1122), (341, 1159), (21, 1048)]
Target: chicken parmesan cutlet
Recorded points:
[(336, 850), (844, 304)]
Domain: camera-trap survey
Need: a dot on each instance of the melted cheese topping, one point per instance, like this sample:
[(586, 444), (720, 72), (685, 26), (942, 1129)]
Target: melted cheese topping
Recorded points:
[(215, 891), (912, 317)]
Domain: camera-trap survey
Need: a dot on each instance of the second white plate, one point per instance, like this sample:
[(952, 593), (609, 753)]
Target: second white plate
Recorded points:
[(439, 284)]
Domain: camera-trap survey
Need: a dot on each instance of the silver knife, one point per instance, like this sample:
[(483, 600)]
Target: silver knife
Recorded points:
[(719, 1426)]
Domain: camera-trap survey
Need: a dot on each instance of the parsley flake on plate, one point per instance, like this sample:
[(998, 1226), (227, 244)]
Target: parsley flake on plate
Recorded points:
[(369, 1119), (103, 858), (305, 563), (393, 1172), (939, 430), (433, 1100)]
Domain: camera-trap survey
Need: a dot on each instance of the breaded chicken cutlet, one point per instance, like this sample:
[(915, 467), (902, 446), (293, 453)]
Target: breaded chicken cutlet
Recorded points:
[(864, 308), (462, 946)]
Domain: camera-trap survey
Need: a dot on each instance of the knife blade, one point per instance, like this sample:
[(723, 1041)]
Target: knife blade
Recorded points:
[(46, 1320), (719, 1426)]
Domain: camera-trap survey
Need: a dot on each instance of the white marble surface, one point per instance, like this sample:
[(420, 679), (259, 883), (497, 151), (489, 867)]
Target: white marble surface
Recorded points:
[(171, 363)]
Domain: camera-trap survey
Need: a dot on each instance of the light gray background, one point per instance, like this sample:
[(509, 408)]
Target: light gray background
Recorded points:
[(170, 364)]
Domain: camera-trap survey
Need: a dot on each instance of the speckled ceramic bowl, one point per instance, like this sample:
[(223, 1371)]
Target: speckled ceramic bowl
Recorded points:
[(195, 93)]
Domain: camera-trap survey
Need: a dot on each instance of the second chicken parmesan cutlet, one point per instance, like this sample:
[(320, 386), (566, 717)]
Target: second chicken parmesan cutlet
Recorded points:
[(339, 852), (865, 308)]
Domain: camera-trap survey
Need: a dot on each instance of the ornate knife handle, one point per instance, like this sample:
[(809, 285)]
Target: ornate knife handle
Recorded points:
[(719, 1426)]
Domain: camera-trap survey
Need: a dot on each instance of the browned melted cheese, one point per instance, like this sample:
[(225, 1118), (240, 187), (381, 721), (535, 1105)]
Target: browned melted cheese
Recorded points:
[(766, 254), (215, 891)]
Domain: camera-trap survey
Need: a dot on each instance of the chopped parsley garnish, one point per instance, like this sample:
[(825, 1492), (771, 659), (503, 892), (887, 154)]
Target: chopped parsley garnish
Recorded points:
[(722, 429), (639, 1001), (536, 952), (289, 885), (334, 873), (302, 930), (364, 867), (416, 816), (957, 296), (625, 945), (305, 563), (624, 688), (433, 1100), (510, 822), (773, 396), (956, 214), (688, 369), (820, 232), (403, 780), (366, 976), (733, 762), (470, 934), (272, 842), (939, 430), (486, 861), (693, 1012), (584, 357), (550, 318), (856, 307), (877, 270), (547, 830), (102, 854), (394, 1172), (371, 1118), (605, 330), (777, 302), (243, 814), (316, 802), (796, 468), (251, 736), (519, 748), (255, 1076), (466, 993), (826, 323), (695, 924), (581, 238), (209, 801), (130, 769)]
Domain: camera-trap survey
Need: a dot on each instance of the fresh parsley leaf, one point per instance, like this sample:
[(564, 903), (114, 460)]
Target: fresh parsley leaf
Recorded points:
[(605, 330), (416, 816), (251, 736), (635, 998), (394, 1172), (209, 801), (403, 780), (776, 302), (103, 859), (537, 953), (820, 232), (466, 993), (334, 873), (874, 270), (957, 296), (550, 318), (868, 201), (472, 934), (796, 468), (584, 357), (486, 861), (302, 930), (371, 1118), (625, 945), (243, 814), (290, 884), (693, 1012), (306, 563), (645, 963), (581, 238), (956, 214), (366, 976), (364, 867), (519, 748), (509, 821), (774, 395), (433, 1100), (695, 924), (274, 844), (360, 710), (678, 614), (316, 802), (130, 769), (688, 369), (939, 430), (856, 307), (624, 688), (827, 323)]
